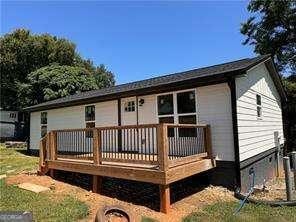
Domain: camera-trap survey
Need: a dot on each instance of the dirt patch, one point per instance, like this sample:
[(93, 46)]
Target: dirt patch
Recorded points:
[(274, 190), (190, 199)]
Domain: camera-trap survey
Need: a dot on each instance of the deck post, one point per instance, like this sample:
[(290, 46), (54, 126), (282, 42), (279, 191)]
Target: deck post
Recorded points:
[(162, 147), (97, 184), (208, 141), (52, 148), (41, 154), (54, 144), (50, 142), (51, 173), (165, 204), (97, 146)]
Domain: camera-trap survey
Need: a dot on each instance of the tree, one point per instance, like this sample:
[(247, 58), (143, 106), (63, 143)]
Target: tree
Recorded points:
[(273, 31), (22, 52), (103, 77), (290, 111), (55, 81)]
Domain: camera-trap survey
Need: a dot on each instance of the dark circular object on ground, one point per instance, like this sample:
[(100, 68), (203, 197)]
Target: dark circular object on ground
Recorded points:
[(119, 212), (240, 196)]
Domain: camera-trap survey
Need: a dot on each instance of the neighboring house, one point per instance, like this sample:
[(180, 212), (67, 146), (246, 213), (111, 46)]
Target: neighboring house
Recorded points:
[(240, 100), (11, 125)]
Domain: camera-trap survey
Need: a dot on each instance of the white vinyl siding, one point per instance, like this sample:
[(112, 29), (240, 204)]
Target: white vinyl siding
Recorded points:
[(9, 116), (66, 118), (35, 130), (71, 118), (7, 130), (147, 112), (256, 135), (106, 113), (214, 108)]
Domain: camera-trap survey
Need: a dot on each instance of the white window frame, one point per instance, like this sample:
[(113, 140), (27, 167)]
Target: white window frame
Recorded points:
[(12, 115), (43, 124), (259, 117), (90, 121), (175, 114), (126, 105)]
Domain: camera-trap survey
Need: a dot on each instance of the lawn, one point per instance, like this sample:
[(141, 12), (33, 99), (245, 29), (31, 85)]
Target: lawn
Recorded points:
[(250, 213), (13, 161), (45, 206), (48, 207)]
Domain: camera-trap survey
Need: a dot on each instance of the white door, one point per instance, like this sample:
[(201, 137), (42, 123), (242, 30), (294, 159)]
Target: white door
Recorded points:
[(130, 141)]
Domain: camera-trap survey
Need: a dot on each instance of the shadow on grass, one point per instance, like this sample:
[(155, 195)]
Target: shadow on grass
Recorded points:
[(23, 151), (138, 193)]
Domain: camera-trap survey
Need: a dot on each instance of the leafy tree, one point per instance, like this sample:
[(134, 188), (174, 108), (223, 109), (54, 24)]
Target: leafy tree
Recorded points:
[(22, 53), (103, 77), (272, 30), (290, 111), (55, 81)]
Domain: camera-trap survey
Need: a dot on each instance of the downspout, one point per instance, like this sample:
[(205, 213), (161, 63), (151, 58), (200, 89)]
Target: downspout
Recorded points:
[(232, 86)]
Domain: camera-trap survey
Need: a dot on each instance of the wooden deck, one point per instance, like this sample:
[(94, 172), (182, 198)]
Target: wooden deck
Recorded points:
[(153, 153)]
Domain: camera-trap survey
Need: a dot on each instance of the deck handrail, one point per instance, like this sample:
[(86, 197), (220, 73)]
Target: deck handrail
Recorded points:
[(101, 144), (133, 126)]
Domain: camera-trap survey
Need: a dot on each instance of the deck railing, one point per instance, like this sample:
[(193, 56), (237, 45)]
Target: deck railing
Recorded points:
[(160, 145)]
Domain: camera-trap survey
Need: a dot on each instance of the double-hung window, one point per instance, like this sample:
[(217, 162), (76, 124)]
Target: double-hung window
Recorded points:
[(186, 112), (43, 123), (90, 118), (178, 107), (259, 106), (165, 105)]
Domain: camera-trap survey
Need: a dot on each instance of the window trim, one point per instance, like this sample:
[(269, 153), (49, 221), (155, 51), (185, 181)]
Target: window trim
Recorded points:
[(126, 105), (175, 114), (89, 134), (87, 121), (195, 101), (43, 124), (90, 121), (258, 106), (165, 94), (12, 115)]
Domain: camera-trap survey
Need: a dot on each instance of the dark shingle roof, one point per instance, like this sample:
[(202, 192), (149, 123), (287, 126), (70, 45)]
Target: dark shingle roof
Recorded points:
[(194, 74)]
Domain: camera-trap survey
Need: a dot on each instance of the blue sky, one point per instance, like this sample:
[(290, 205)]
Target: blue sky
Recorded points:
[(138, 40)]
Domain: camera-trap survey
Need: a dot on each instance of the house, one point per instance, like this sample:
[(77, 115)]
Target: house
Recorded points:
[(221, 119), (11, 125)]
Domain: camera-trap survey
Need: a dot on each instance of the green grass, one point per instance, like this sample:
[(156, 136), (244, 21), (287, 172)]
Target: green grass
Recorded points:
[(148, 219), (43, 206), (250, 213), (13, 161)]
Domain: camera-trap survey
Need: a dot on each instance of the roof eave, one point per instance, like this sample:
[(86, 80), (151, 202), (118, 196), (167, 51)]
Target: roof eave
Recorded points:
[(199, 81)]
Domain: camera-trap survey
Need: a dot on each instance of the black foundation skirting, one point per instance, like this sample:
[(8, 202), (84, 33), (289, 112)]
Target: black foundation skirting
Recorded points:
[(33, 152), (224, 174), (264, 166)]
